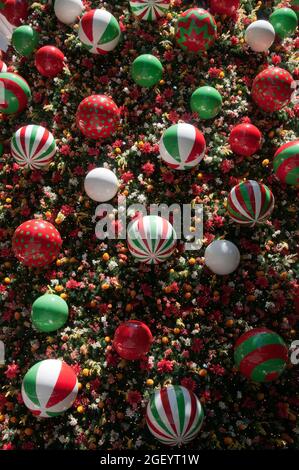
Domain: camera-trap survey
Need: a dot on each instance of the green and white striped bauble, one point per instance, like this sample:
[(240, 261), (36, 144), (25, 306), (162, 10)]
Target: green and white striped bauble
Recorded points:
[(174, 415), (182, 146), (286, 163), (151, 239), (33, 147), (49, 388), (149, 10), (99, 31)]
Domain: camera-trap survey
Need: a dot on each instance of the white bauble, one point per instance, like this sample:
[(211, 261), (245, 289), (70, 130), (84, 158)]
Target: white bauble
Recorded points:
[(222, 257), (260, 35), (68, 10), (101, 184)]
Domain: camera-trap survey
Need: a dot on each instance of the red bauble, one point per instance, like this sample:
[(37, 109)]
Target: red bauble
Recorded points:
[(49, 61), (272, 89), (14, 10), (245, 139), (132, 340), (97, 116), (36, 243), (224, 7)]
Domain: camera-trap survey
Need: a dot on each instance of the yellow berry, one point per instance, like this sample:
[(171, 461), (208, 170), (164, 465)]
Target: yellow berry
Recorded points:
[(105, 257), (165, 340), (7, 280), (265, 162), (80, 409), (85, 372), (192, 261), (64, 296), (107, 339), (176, 331), (149, 382)]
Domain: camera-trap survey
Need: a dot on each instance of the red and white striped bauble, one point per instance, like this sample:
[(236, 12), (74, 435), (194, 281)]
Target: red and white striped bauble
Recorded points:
[(33, 147), (3, 67), (99, 31), (149, 10), (49, 388)]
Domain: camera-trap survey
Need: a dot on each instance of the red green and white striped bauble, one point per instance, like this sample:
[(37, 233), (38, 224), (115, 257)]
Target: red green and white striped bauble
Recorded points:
[(3, 67), (261, 355), (33, 147), (250, 202), (49, 388), (174, 415), (99, 31), (149, 10), (15, 93), (151, 239), (196, 30), (182, 146), (286, 163)]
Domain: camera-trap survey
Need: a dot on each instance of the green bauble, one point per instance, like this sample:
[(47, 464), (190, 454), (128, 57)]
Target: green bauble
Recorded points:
[(295, 7), (24, 40), (147, 70), (206, 101), (284, 21), (1, 150), (49, 312)]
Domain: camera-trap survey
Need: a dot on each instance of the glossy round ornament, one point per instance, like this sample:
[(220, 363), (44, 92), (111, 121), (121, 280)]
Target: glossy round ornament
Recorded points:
[(24, 40), (272, 89), (101, 184), (284, 22), (99, 31), (250, 202), (196, 30), (286, 163), (3, 67), (182, 146), (174, 415), (33, 147), (245, 139), (49, 388), (260, 35), (16, 93), (14, 11), (97, 116), (49, 61), (146, 70), (295, 7), (49, 313), (222, 257), (149, 10), (132, 340), (67, 11), (206, 101), (225, 7), (36, 243), (151, 239), (261, 355)]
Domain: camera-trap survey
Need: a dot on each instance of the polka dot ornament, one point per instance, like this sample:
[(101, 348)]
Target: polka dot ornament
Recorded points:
[(97, 116)]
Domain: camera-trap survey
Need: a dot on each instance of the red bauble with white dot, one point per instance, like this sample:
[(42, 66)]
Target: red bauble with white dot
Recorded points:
[(224, 7), (132, 340), (245, 139), (49, 61), (97, 116), (36, 243)]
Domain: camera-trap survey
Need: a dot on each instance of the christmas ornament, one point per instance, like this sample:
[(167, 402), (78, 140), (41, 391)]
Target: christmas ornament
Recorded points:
[(182, 146), (49, 312), (284, 22), (49, 61), (33, 147), (24, 40), (272, 89), (225, 7), (150, 10), (49, 388), (15, 93), (14, 11), (99, 31), (174, 415), (151, 239), (101, 184), (67, 11), (36, 243), (97, 116), (206, 101), (146, 70), (261, 355), (196, 30), (295, 7), (222, 257), (286, 163), (3, 67), (245, 139), (260, 35), (250, 202), (132, 340)]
